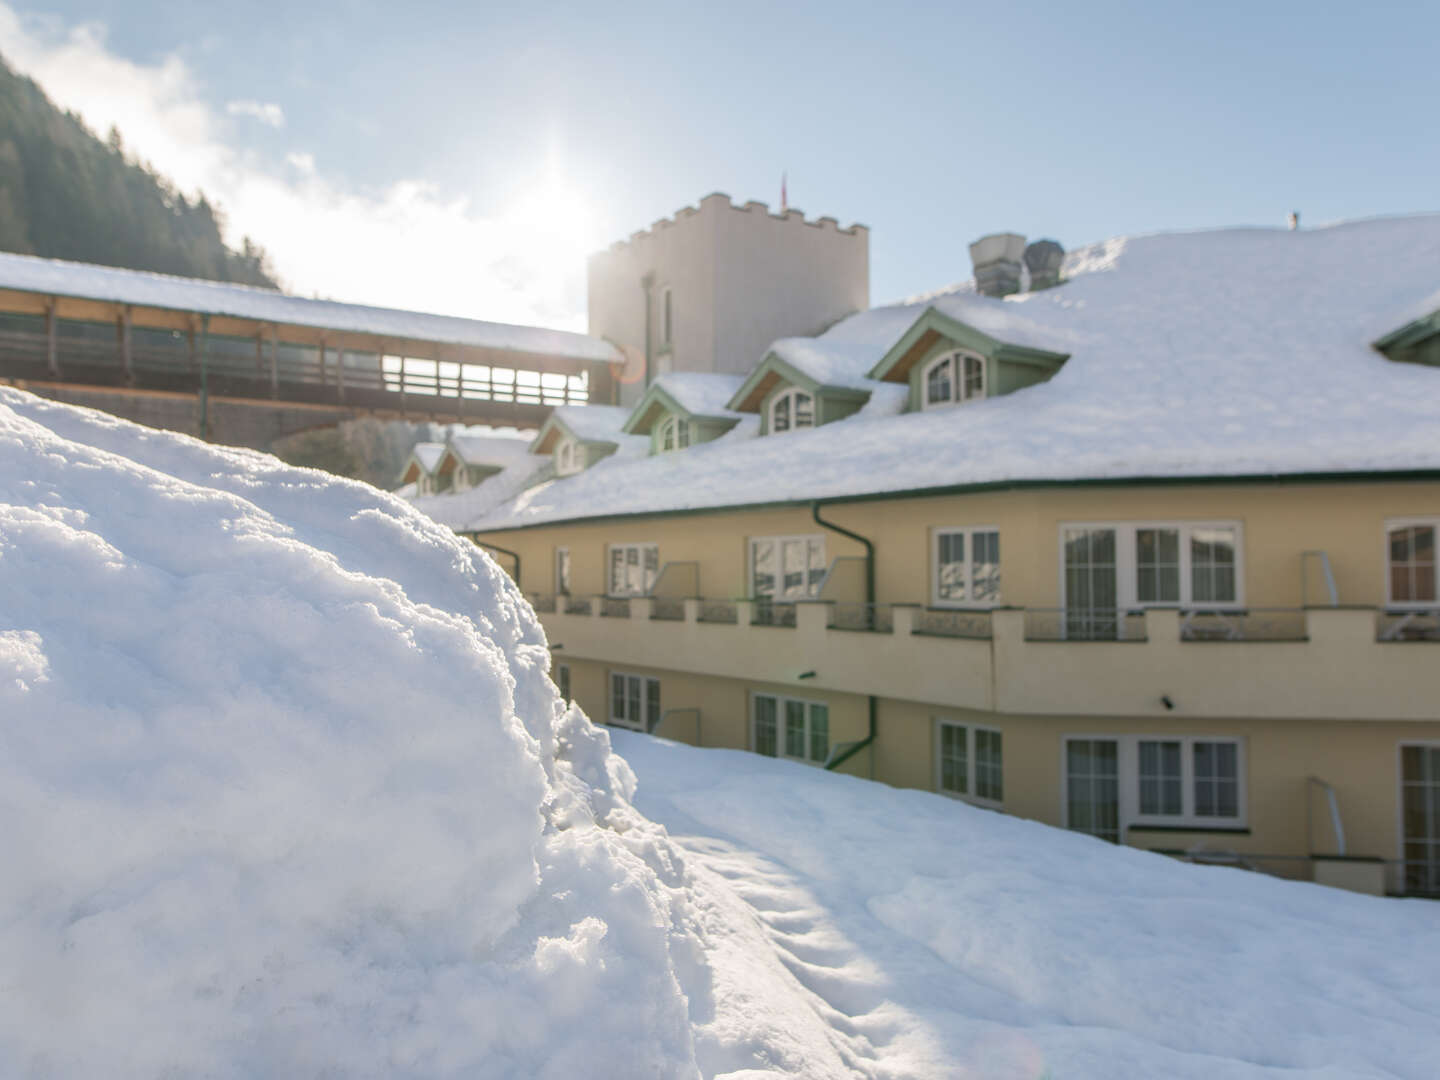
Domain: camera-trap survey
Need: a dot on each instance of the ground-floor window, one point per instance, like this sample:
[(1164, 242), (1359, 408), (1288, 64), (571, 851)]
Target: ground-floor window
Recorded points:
[(1420, 818), (634, 701), (1113, 782), (970, 761), (562, 680), (790, 728)]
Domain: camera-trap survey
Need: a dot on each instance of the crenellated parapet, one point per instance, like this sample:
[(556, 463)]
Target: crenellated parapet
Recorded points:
[(720, 203)]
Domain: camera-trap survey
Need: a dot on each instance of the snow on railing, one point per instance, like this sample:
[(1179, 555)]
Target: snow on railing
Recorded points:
[(1250, 624), (932, 622), (1408, 625)]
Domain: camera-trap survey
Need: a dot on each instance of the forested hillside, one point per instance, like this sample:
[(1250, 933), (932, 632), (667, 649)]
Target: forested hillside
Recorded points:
[(66, 194)]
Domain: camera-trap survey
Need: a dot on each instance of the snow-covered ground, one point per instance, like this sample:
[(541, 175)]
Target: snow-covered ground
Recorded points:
[(286, 792), (936, 939)]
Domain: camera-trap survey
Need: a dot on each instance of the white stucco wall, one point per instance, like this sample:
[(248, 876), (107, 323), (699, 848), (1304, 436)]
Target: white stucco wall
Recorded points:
[(740, 277)]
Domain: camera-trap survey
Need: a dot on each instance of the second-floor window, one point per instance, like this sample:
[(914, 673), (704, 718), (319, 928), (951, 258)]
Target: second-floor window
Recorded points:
[(1108, 568), (791, 410), (953, 379), (562, 571), (632, 569), (965, 567), (1410, 579), (787, 567), (674, 434)]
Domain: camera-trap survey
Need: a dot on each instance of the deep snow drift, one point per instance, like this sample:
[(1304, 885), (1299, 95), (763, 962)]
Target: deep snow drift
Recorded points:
[(286, 791), (939, 939)]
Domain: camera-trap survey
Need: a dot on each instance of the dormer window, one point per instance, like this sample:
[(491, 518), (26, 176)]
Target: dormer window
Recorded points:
[(954, 379), (674, 434), (567, 457), (792, 410)]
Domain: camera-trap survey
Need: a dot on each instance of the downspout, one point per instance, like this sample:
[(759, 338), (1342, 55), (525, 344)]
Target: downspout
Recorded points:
[(503, 551), (855, 747)]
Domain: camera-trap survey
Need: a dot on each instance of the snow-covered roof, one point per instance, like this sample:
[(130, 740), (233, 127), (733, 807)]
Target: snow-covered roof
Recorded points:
[(593, 423), (456, 509), (701, 393), (1225, 353), (489, 449), (428, 454), (55, 277)]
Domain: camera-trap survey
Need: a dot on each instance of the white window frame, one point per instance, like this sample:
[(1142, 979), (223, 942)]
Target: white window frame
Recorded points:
[(568, 457), (645, 684), (1406, 523), (1427, 744), (563, 568), (779, 542), (1127, 768), (958, 395), (968, 531), (679, 430), (808, 704), (1126, 567), (790, 395), (969, 794), (667, 317), (640, 546)]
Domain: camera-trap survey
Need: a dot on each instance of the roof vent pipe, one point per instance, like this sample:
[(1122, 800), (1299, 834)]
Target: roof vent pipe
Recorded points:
[(997, 263), (1043, 259)]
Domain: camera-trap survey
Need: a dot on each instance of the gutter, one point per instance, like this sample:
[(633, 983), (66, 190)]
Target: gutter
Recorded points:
[(837, 759), (503, 551)]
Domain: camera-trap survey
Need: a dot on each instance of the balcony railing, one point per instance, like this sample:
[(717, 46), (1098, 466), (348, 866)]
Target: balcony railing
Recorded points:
[(543, 603), (577, 605), (1083, 624), (1253, 624), (876, 618), (1408, 626), (933, 622), (767, 612), (669, 608), (719, 611), (615, 607)]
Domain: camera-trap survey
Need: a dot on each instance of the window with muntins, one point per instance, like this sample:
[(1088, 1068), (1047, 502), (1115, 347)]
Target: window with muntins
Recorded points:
[(970, 761), (632, 569), (965, 567), (791, 410), (787, 567), (674, 434), (1420, 817), (1107, 569), (790, 728), (562, 571), (568, 457), (1114, 782), (634, 701), (1410, 551), (953, 379)]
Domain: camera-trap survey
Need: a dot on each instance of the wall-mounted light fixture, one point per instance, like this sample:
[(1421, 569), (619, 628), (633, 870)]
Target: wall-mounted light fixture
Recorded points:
[(1165, 700), (806, 675)]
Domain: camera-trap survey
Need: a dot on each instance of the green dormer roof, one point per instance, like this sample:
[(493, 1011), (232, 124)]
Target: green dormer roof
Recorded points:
[(1417, 342), (933, 328)]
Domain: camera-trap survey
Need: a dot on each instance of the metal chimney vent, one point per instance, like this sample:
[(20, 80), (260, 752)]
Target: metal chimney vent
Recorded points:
[(997, 263)]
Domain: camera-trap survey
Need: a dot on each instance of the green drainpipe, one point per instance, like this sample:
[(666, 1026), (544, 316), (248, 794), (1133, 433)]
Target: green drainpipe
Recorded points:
[(855, 748), (503, 551)]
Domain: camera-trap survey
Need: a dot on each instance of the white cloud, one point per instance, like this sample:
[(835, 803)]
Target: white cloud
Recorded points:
[(265, 112), (408, 246)]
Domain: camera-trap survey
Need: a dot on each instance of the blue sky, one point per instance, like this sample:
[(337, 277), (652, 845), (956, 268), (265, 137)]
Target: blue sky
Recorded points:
[(932, 124)]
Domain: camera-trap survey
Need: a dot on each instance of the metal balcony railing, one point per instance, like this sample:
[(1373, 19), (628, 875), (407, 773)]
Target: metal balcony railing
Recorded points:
[(615, 607), (1251, 624), (668, 608), (931, 622), (719, 611), (876, 618), (577, 605), (543, 602), (1408, 626), (1083, 624), (767, 612)]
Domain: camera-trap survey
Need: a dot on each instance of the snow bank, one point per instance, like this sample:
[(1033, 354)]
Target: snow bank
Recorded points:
[(287, 791), (946, 940)]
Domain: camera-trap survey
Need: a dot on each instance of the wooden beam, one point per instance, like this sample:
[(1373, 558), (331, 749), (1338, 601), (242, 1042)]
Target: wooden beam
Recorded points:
[(127, 361), (52, 358), (275, 362)]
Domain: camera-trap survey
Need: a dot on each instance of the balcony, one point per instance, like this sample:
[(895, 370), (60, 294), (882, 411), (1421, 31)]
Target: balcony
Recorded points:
[(1340, 663)]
